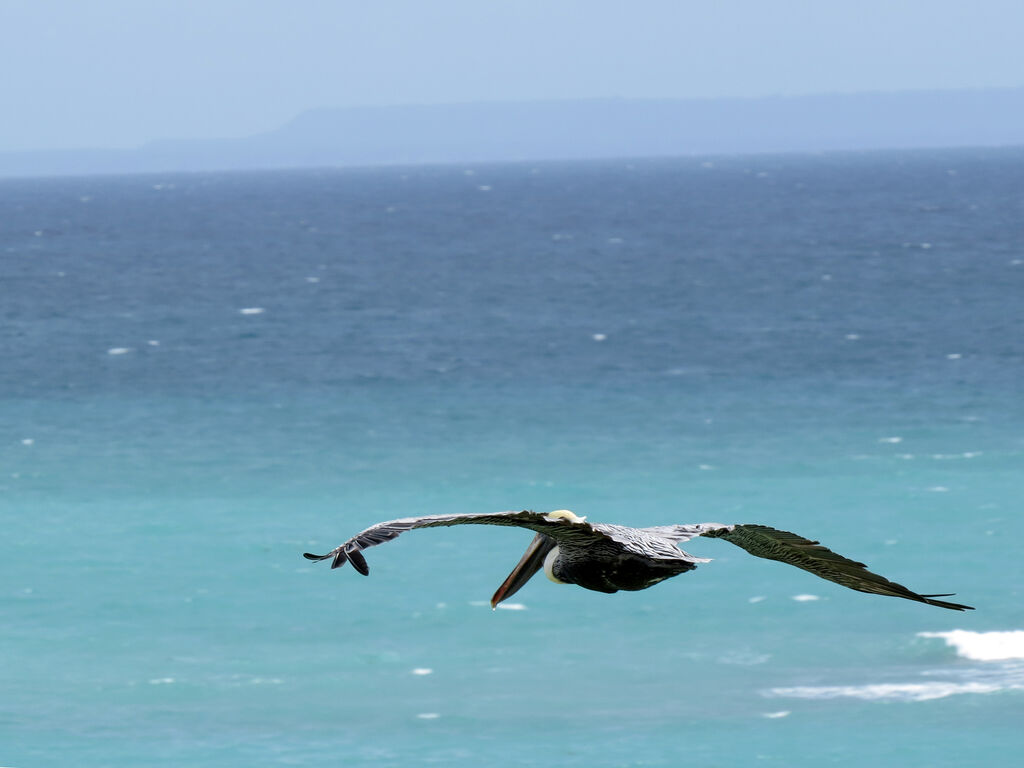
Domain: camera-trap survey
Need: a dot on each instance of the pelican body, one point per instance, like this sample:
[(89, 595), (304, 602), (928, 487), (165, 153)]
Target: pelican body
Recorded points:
[(608, 558)]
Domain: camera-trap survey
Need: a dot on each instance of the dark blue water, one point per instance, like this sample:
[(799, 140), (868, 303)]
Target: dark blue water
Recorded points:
[(205, 375)]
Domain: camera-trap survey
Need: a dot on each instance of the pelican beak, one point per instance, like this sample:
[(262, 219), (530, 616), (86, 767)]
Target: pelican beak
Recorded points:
[(531, 562)]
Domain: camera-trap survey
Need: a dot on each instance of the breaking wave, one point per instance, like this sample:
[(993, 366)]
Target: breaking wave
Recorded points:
[(1002, 669)]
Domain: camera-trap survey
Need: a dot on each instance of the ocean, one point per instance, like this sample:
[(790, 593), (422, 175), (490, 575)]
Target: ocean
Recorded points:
[(205, 375)]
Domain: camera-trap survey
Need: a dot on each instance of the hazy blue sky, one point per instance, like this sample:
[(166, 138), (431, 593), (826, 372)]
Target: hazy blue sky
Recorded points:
[(116, 73)]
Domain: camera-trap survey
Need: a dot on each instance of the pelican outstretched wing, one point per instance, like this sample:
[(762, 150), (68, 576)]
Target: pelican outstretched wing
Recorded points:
[(786, 547), (560, 529)]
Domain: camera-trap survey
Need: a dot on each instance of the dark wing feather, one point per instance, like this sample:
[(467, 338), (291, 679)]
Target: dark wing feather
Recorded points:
[(786, 547), (559, 529)]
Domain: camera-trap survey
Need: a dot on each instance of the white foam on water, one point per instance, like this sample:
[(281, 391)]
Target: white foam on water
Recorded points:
[(599, 337), (511, 607), (892, 440), (252, 311), (161, 681), (119, 350), (964, 455), (1001, 670), (776, 715), (806, 598), (428, 715), (28, 441), (983, 646), (756, 599), (423, 671), (886, 691)]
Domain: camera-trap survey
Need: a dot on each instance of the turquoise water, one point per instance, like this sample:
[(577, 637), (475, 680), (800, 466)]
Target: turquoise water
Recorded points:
[(206, 375)]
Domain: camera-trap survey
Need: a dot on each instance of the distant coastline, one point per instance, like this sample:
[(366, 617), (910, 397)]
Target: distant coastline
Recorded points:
[(571, 130)]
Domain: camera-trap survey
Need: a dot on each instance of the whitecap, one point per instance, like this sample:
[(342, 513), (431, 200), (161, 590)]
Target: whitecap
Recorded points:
[(161, 681), (893, 440), (806, 598), (428, 715), (512, 606), (938, 489), (756, 599), (28, 441), (598, 337), (886, 691), (776, 715), (485, 187), (252, 311), (423, 671), (119, 350), (983, 646)]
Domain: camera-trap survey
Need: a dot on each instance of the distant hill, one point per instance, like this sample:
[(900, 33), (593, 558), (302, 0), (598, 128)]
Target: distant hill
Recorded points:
[(549, 130)]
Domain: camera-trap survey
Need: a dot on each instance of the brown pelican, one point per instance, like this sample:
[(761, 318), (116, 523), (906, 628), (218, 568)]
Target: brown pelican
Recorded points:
[(607, 558)]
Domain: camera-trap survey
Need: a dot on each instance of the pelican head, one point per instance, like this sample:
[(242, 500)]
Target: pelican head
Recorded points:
[(564, 514), (541, 553)]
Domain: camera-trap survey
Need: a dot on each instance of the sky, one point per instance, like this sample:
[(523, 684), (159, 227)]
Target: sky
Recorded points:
[(119, 73)]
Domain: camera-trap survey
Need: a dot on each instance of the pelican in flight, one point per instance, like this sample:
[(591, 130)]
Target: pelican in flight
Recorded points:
[(607, 558)]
